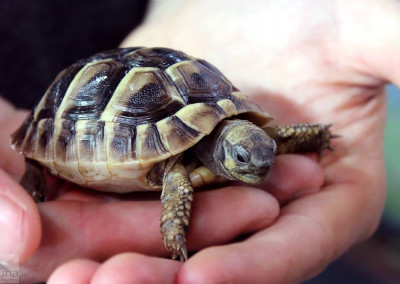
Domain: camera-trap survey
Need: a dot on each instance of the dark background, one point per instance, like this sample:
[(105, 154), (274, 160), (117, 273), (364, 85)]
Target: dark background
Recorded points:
[(39, 38)]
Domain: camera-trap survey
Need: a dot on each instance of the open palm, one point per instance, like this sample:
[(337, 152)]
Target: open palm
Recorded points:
[(303, 62)]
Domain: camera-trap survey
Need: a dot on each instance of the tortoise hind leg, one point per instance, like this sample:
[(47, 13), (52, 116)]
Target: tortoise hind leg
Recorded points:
[(301, 138), (176, 198), (34, 180)]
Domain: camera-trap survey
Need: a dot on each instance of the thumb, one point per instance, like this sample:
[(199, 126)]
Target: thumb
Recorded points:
[(19, 222)]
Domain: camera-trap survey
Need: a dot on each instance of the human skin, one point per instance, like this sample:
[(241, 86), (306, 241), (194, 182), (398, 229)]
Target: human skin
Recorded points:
[(314, 61)]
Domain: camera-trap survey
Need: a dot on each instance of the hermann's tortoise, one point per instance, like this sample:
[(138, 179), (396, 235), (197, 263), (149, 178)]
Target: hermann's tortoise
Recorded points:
[(149, 119)]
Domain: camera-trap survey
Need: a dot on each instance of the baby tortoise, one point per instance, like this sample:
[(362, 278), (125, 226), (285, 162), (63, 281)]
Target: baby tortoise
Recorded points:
[(149, 119)]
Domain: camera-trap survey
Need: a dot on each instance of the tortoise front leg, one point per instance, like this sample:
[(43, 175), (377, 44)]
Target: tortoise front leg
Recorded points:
[(176, 198), (203, 176), (34, 180), (301, 138)]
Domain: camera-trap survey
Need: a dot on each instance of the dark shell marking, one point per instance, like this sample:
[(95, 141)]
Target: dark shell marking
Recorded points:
[(132, 104)]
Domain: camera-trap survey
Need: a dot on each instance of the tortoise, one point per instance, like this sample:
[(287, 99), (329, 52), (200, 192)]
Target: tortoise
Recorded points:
[(134, 119)]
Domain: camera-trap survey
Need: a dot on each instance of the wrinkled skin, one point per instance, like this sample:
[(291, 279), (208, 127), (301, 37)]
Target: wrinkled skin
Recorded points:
[(324, 61)]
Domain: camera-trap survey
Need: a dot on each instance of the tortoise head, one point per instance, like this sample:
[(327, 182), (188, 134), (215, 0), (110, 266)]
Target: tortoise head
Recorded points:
[(238, 150), (246, 152)]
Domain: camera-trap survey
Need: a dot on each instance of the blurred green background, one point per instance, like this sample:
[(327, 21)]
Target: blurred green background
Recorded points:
[(377, 261), (392, 156)]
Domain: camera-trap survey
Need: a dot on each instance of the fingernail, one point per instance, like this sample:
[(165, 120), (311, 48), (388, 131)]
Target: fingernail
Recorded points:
[(11, 217)]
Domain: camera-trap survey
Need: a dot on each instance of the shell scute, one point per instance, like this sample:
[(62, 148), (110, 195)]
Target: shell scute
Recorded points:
[(143, 96), (150, 146), (200, 117), (45, 138), (199, 82), (157, 57), (90, 140), (117, 54), (55, 94), (176, 135), (90, 90), (90, 150), (65, 145), (121, 142)]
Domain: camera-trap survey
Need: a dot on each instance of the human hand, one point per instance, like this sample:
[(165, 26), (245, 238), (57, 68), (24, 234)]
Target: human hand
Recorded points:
[(329, 70), (79, 223), (19, 214), (323, 61)]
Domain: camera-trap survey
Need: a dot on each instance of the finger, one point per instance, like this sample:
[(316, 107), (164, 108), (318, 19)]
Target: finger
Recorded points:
[(10, 120), (294, 176), (311, 232), (19, 222), (221, 215), (98, 230), (79, 271), (136, 268)]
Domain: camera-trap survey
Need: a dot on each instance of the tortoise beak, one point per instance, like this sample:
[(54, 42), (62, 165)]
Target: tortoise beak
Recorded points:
[(262, 159)]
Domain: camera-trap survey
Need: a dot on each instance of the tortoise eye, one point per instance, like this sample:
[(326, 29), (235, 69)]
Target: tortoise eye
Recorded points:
[(241, 155)]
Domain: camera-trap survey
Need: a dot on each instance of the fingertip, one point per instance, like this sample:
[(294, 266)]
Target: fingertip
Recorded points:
[(208, 266), (79, 271), (233, 263), (136, 268), (262, 208), (19, 222), (294, 176), (190, 274)]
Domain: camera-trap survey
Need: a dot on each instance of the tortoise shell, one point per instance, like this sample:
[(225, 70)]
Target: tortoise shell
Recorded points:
[(107, 121)]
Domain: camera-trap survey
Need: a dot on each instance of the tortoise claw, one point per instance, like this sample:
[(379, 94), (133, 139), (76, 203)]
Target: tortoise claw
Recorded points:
[(176, 246), (181, 247), (335, 136), (38, 197), (183, 253), (331, 135)]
